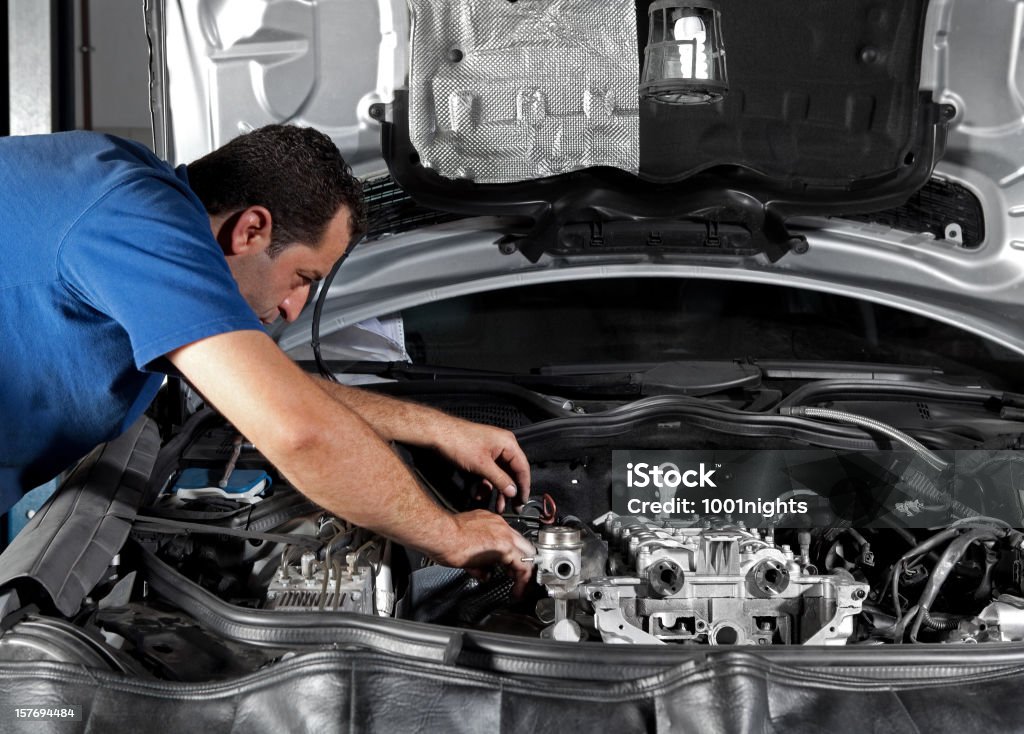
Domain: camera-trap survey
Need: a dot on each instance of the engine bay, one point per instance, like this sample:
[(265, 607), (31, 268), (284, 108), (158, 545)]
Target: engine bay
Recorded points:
[(599, 576), (224, 567)]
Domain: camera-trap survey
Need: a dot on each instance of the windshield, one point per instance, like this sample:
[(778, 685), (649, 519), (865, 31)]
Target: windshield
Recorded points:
[(671, 319)]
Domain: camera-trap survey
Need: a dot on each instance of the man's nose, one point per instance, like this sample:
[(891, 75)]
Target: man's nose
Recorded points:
[(291, 306)]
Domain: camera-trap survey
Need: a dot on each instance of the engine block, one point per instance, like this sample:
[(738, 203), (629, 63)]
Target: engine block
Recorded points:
[(684, 584)]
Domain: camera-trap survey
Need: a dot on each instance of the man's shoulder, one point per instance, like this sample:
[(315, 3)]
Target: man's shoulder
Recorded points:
[(132, 188), (86, 167), (80, 145)]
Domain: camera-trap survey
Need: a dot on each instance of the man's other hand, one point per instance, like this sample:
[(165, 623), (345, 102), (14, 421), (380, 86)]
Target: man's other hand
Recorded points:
[(484, 540), (492, 453)]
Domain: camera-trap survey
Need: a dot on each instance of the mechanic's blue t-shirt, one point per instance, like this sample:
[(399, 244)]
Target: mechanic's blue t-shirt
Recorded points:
[(107, 262)]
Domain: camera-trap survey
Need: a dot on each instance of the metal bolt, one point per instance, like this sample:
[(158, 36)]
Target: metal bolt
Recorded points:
[(869, 55), (859, 594)]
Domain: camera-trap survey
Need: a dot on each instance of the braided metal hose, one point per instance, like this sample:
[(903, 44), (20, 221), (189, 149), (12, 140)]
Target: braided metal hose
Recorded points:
[(870, 424)]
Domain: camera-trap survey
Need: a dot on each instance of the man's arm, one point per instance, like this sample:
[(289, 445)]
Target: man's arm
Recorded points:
[(334, 457), (490, 452)]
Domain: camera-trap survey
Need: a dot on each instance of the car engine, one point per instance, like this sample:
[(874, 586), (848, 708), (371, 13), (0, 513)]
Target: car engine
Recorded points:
[(723, 586), (620, 579)]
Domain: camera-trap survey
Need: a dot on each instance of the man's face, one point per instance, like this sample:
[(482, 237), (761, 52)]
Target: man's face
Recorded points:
[(280, 285)]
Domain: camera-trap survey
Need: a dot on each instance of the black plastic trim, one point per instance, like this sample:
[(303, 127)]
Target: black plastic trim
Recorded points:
[(67, 546), (707, 415), (878, 390), (725, 194)]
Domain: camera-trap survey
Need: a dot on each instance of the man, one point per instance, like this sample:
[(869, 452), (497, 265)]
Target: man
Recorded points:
[(114, 267)]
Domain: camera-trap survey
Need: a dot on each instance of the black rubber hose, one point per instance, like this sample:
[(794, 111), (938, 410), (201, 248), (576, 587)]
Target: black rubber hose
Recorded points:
[(345, 541), (939, 622), (318, 309), (952, 555), (915, 552)]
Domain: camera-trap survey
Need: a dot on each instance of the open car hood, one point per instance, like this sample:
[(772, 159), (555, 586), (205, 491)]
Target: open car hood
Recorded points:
[(863, 147)]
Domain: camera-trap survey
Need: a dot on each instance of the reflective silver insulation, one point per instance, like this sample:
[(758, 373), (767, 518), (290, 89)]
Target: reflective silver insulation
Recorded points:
[(507, 91), (220, 68)]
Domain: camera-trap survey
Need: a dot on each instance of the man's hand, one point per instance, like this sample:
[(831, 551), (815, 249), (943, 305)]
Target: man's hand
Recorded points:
[(492, 453), (483, 540)]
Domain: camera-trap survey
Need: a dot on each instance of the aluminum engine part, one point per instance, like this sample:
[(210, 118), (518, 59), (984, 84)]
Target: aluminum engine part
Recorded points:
[(679, 583), (301, 588), (559, 564), (510, 91), (1002, 620)]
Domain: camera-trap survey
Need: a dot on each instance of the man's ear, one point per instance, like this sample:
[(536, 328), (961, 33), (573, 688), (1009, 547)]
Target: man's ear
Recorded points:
[(246, 232)]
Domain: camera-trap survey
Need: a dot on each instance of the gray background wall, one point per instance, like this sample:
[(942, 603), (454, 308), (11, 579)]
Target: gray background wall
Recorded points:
[(52, 55), (120, 68)]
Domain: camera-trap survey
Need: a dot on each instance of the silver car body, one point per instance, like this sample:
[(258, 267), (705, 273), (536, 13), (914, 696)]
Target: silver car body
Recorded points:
[(239, 64)]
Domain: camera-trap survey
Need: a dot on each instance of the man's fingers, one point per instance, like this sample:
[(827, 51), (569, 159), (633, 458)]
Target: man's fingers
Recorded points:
[(521, 580), (525, 547), (520, 570), (520, 467), (501, 480)]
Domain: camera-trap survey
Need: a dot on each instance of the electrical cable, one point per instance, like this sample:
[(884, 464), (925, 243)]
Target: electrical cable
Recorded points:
[(550, 510), (434, 491), (952, 555), (321, 298), (940, 622), (143, 523), (904, 563)]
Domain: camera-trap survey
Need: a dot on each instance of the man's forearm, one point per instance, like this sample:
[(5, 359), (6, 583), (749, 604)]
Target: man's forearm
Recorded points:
[(491, 453), (323, 448), (392, 419), (388, 501)]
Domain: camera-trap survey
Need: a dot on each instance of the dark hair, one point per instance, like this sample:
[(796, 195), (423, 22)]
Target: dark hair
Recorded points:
[(297, 173)]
